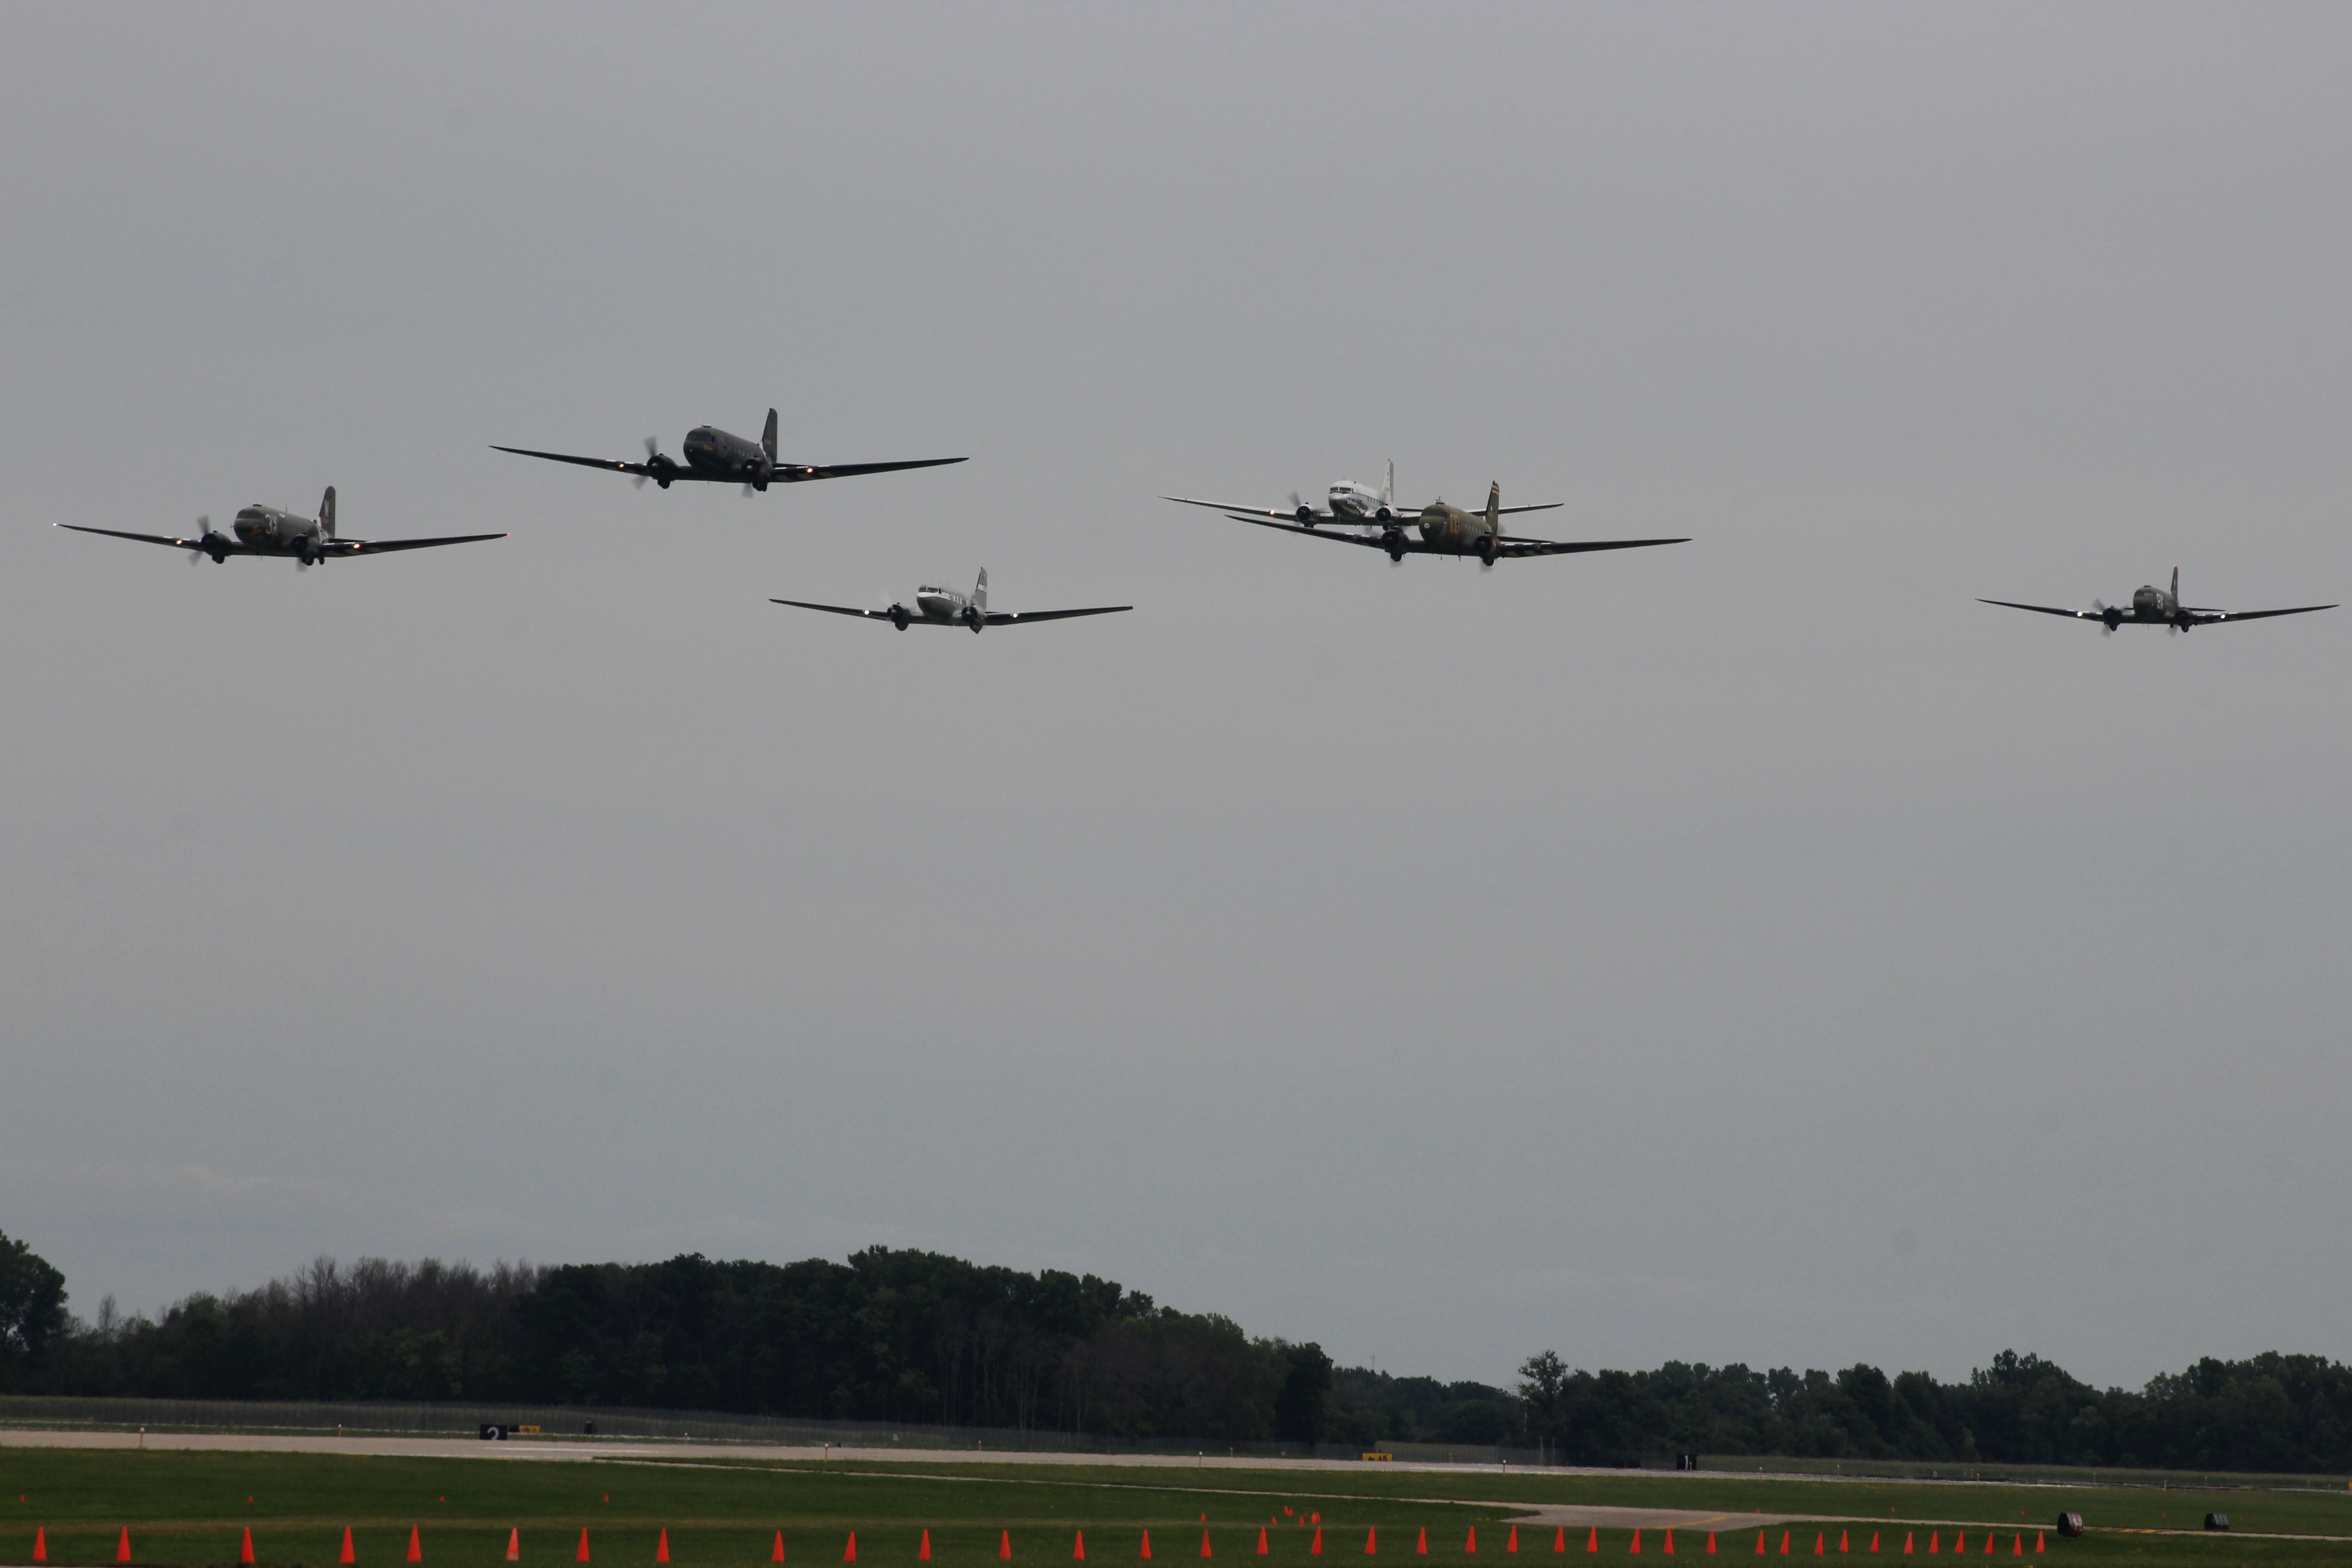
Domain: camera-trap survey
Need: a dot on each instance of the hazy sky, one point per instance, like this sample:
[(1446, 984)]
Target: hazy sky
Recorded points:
[(1753, 950)]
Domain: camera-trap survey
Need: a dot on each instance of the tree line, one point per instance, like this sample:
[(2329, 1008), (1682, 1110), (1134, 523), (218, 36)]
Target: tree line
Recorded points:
[(920, 1338)]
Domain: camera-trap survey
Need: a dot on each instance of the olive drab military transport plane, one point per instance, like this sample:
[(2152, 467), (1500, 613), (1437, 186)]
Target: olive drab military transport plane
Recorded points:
[(266, 530), (1445, 528), (946, 607), (2154, 606), (713, 455)]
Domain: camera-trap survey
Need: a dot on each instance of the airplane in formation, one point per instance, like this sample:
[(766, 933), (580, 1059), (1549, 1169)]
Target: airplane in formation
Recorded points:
[(2154, 606), (1445, 528), (266, 530), (719, 458), (937, 606)]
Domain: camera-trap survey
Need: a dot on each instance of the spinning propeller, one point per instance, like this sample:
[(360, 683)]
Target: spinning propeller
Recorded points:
[(661, 467)]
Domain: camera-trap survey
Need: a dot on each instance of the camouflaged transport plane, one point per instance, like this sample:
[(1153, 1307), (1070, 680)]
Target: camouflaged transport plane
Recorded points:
[(266, 530), (1443, 528)]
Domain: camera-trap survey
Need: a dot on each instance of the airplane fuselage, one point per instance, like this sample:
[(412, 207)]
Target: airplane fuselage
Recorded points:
[(1448, 527), (710, 450), (938, 604), (1352, 502), (266, 530)]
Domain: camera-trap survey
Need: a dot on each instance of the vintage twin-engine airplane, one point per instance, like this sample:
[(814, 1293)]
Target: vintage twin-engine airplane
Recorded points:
[(1346, 502), (1445, 529), (946, 607), (266, 530), (2154, 606), (713, 455)]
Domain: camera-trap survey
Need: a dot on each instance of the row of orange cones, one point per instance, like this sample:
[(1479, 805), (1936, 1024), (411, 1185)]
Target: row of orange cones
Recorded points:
[(1078, 1549)]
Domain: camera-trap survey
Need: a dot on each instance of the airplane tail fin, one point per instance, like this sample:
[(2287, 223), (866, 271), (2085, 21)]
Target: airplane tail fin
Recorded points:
[(980, 593), (327, 513), (1388, 490), (1494, 505), (2176, 585), (768, 436)]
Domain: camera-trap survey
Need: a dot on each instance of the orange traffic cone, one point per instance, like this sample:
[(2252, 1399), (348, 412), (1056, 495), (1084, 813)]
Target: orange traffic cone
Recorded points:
[(1004, 1546), (346, 1556), (661, 1547), (1819, 1540), (417, 1546), (1934, 1536), (1637, 1538), (514, 1545), (1874, 1541), (1784, 1544), (1078, 1547), (776, 1553), (849, 1552), (582, 1555), (1204, 1545), (1560, 1539), (1421, 1543), (1592, 1540), (1710, 1543), (2037, 1541), (1959, 1541), (1147, 1541), (1759, 1544), (1906, 1543), (1670, 1540), (1840, 1541), (1371, 1541), (1513, 1543), (41, 1543), (1260, 1541), (122, 1547), (923, 1550), (1472, 1545), (244, 1548)]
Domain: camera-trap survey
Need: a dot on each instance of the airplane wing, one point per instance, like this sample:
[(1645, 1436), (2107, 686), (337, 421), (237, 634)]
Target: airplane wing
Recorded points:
[(1281, 520), (846, 610), (615, 464), (1539, 506), (795, 473), (2217, 616), (378, 546), (1253, 514), (225, 545), (2043, 609), (1001, 618), (1515, 549)]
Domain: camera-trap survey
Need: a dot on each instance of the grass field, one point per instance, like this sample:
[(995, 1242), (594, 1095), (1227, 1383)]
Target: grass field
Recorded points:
[(186, 1508)]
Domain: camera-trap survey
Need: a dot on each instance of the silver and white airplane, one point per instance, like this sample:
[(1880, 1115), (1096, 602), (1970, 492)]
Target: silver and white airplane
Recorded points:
[(2154, 606), (1346, 502), (713, 455), (936, 606), (1445, 528), (266, 530)]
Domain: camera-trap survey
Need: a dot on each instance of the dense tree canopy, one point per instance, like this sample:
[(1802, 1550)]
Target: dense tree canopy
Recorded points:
[(917, 1338)]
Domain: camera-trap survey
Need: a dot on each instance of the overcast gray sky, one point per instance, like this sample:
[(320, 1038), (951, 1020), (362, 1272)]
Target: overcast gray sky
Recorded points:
[(1753, 950)]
